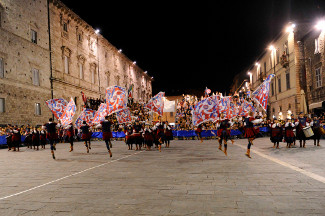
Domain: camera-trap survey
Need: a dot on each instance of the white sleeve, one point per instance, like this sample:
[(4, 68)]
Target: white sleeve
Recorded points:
[(287, 124), (98, 126), (58, 125), (296, 123), (307, 124), (312, 123), (256, 121)]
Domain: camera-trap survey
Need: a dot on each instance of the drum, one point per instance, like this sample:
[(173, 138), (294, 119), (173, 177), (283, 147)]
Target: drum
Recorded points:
[(308, 131)]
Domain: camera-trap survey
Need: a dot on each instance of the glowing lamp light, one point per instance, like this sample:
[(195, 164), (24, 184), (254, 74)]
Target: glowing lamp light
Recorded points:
[(257, 64), (97, 31), (290, 28), (271, 47), (320, 25), (145, 72), (249, 73), (134, 62), (120, 50), (151, 77)]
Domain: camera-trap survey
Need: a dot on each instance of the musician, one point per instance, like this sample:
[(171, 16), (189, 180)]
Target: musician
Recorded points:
[(86, 135), (107, 134), (70, 135), (223, 132), (128, 137), (148, 137), (35, 138), (16, 138), (52, 135), (300, 124), (137, 135), (316, 125), (250, 131), (168, 134), (160, 134), (276, 133), (289, 134), (43, 137)]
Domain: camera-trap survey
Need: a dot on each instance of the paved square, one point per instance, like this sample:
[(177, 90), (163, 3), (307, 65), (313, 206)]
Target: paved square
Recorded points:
[(190, 178)]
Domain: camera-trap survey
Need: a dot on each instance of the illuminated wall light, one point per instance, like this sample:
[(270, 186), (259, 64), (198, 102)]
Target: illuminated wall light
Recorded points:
[(120, 50), (97, 31), (134, 62), (320, 25), (290, 28)]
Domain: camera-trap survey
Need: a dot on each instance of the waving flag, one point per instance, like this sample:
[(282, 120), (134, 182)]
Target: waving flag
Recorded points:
[(205, 110), (130, 91), (68, 114), (207, 91), (261, 94), (116, 99), (84, 98), (86, 115), (124, 116), (100, 114), (57, 106), (156, 104)]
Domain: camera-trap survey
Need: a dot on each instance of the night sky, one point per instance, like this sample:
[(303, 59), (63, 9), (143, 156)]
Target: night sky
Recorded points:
[(187, 47)]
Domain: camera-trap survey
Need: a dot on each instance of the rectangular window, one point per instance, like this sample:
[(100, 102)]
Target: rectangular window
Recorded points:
[(65, 27), (316, 45), (93, 75), (2, 105), (2, 70), (37, 109), (265, 68), (277, 56), (318, 77), (171, 114), (288, 80), (272, 88), (107, 80), (34, 36), (35, 73), (279, 84), (81, 71), (66, 64)]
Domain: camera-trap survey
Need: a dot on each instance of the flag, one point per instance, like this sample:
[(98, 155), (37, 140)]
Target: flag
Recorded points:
[(57, 106), (205, 110), (124, 116), (156, 104), (100, 114), (84, 98), (86, 115), (207, 91), (261, 94), (130, 91), (116, 99), (68, 114)]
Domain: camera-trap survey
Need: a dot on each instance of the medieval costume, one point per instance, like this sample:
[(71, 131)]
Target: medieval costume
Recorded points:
[(250, 131), (276, 133), (224, 133), (289, 133), (317, 126), (52, 135), (107, 134), (86, 135)]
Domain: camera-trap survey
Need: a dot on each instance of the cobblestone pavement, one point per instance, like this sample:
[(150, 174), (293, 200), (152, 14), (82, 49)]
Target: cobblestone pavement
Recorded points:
[(189, 178)]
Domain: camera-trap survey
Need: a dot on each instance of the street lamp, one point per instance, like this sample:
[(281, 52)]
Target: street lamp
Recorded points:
[(320, 25)]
